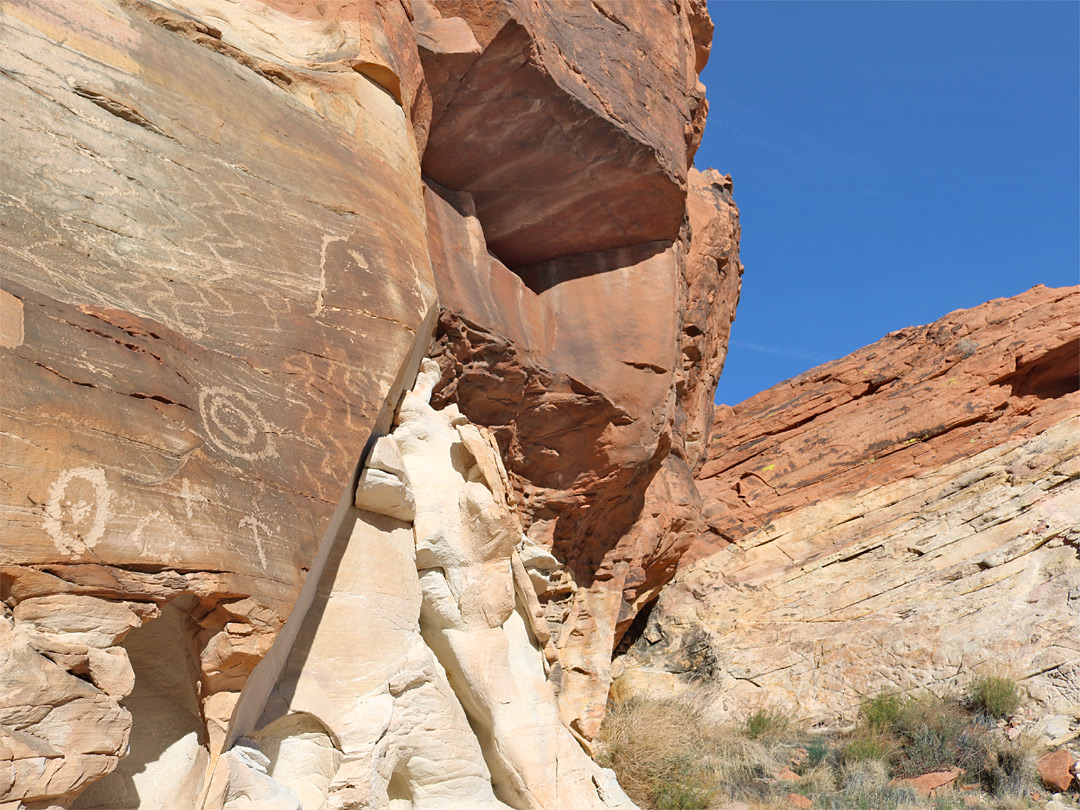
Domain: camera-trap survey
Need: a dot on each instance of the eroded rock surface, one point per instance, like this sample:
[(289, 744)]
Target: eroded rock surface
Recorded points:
[(420, 676), (595, 374), (904, 517), (205, 325), (220, 224), (566, 120)]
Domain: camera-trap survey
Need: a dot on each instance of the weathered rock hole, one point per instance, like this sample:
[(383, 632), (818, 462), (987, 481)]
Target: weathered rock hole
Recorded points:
[(635, 630), (399, 791), (167, 753), (1052, 375)]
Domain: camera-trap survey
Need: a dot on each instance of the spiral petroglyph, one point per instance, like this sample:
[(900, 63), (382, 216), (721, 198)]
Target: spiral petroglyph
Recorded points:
[(235, 425), (76, 514)]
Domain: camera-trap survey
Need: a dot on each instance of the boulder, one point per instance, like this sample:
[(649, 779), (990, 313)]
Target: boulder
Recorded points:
[(572, 124), (1056, 769)]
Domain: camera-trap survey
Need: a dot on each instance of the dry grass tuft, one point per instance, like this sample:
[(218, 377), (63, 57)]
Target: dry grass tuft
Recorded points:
[(672, 753)]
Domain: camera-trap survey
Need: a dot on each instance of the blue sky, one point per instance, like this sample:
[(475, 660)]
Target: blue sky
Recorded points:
[(893, 161)]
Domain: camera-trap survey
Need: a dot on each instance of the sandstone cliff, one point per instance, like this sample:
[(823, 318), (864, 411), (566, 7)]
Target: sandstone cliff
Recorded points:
[(905, 517), (231, 232)]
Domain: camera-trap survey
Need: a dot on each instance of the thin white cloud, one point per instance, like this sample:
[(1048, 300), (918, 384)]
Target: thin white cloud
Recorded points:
[(796, 354)]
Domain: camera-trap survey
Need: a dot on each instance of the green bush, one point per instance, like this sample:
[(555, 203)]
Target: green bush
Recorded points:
[(816, 752), (872, 746), (880, 712), (767, 723), (994, 696), (938, 735)]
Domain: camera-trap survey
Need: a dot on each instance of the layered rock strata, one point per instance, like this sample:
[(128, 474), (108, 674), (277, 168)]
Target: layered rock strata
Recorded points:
[(222, 265), (905, 517)]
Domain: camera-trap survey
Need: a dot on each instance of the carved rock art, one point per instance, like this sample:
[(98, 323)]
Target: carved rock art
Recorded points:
[(78, 509)]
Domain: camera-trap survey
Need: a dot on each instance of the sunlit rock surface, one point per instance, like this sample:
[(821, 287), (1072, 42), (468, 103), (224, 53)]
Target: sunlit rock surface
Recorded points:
[(221, 222), (905, 517)]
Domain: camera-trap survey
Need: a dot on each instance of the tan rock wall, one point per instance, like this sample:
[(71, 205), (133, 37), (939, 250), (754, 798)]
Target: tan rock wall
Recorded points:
[(420, 677)]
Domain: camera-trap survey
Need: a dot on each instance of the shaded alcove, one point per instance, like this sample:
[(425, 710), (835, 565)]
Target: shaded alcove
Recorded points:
[(167, 753)]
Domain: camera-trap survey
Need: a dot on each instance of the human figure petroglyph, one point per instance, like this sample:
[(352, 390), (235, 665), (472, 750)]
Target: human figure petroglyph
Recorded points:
[(258, 528)]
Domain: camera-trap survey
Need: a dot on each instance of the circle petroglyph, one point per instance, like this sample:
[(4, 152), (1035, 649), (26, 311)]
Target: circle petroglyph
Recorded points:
[(235, 425), (77, 509)]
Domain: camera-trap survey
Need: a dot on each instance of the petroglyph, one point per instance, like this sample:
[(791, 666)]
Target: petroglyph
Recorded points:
[(189, 496), (76, 526), (257, 528), (166, 530), (234, 424)]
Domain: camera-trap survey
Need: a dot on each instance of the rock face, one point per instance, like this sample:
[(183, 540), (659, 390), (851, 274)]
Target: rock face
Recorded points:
[(600, 419), (364, 713), (231, 232), (564, 120), (901, 518)]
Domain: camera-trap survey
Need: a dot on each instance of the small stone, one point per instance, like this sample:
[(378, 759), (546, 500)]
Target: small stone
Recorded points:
[(788, 775), (1055, 769), (929, 783), (798, 801)]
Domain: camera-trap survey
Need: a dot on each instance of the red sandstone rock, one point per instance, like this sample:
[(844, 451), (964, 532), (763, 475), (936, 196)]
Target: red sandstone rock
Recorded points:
[(915, 400), (574, 127), (788, 775), (930, 783), (1055, 769), (595, 373), (713, 279), (217, 281), (798, 801)]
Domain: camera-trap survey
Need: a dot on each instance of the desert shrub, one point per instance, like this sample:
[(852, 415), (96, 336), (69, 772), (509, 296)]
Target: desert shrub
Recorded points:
[(936, 734), (994, 696), (879, 713), (818, 780), (669, 752), (869, 745), (767, 722), (1010, 771), (866, 785), (682, 788), (817, 750), (655, 746)]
